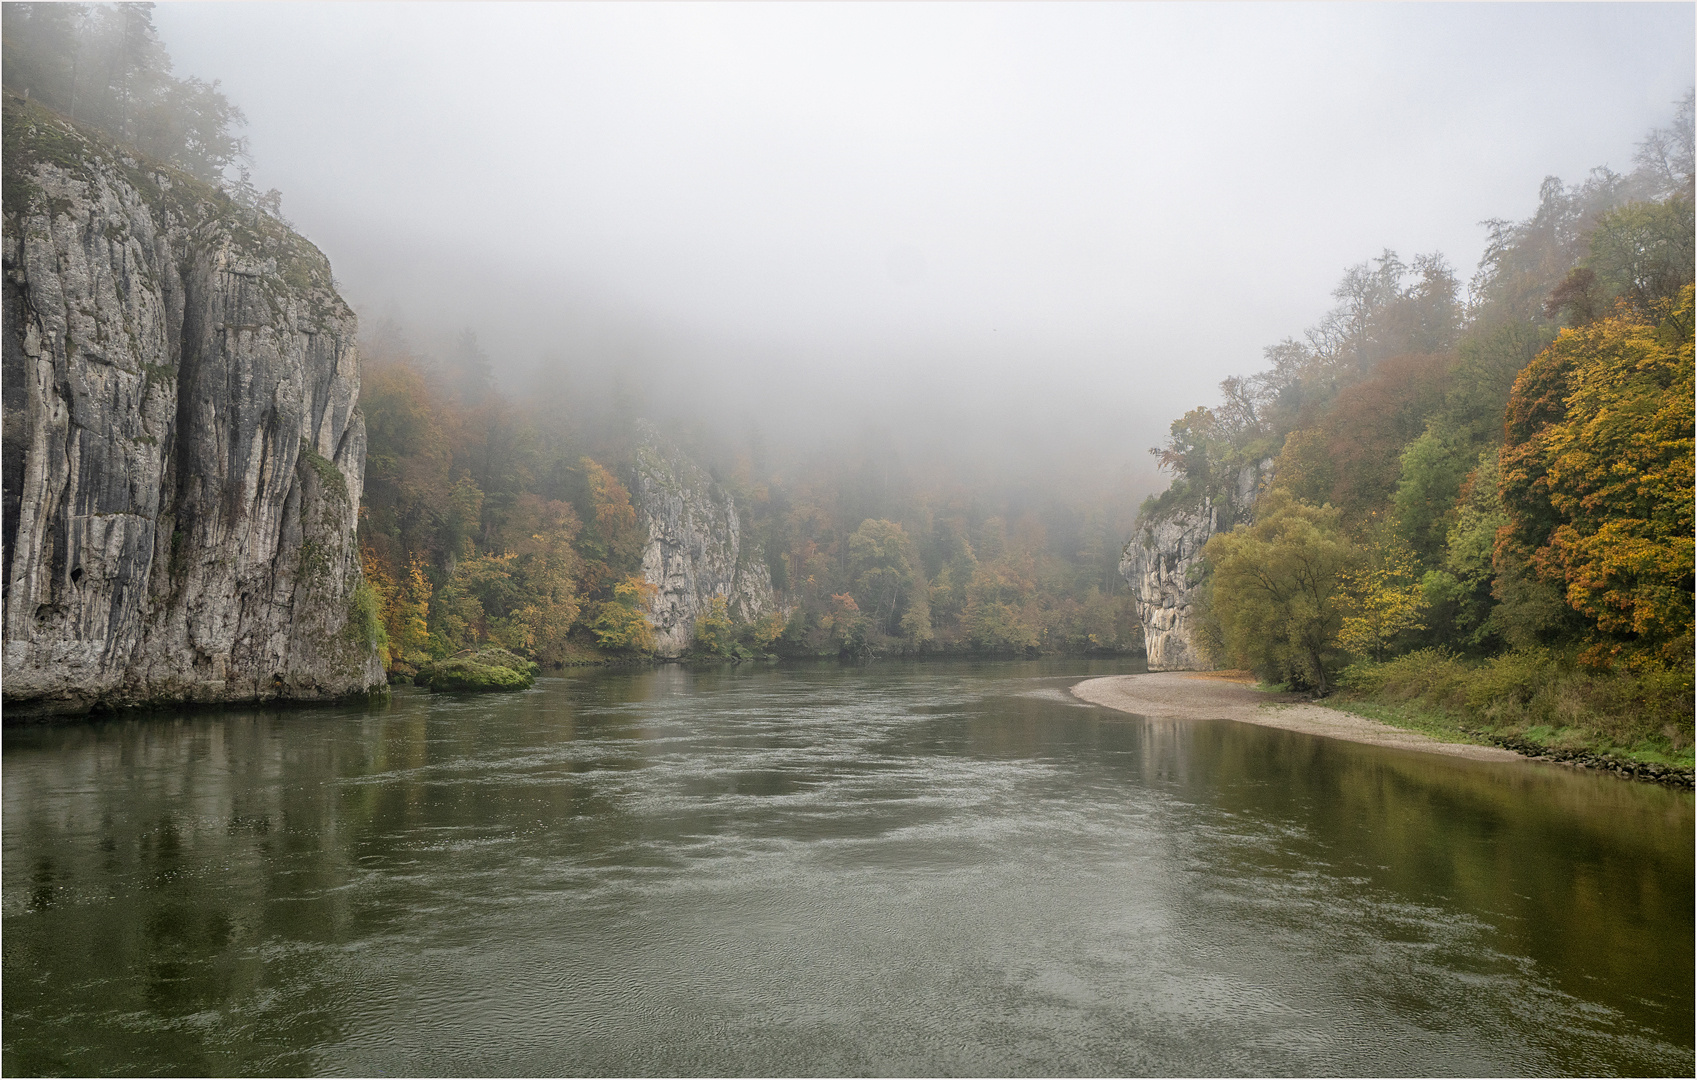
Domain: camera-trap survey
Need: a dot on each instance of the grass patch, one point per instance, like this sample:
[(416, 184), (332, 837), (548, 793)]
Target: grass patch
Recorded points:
[(1532, 699), (1438, 723)]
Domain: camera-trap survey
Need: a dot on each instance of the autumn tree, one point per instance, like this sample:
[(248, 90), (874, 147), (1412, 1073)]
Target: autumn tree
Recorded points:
[(1597, 481), (380, 578), (1351, 458), (415, 501), (611, 541), (997, 597), (545, 574), (715, 630), (845, 625), (1385, 599)]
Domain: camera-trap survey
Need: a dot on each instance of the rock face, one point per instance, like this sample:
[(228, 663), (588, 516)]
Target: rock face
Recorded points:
[(182, 451), (696, 549), (1162, 561)]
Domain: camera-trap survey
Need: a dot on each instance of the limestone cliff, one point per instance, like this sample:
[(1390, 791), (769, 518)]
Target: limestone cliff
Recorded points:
[(182, 449), (696, 547), (1162, 561)]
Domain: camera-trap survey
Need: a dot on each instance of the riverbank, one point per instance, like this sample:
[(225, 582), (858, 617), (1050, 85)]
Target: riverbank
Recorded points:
[(1194, 695), (1217, 695)]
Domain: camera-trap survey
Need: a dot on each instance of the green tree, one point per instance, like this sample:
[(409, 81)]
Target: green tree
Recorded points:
[(103, 64), (886, 579), (622, 623), (1276, 591), (715, 631), (1469, 422), (1459, 594), (1640, 255), (995, 616)]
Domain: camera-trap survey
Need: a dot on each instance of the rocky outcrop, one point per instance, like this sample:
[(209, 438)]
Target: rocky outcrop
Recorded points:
[(696, 547), (1163, 563), (182, 449)]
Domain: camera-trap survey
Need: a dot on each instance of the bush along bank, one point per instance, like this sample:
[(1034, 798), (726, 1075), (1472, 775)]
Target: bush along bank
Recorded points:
[(1537, 702)]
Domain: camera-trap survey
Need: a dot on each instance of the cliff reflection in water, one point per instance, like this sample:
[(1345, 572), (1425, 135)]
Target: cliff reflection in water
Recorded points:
[(901, 868)]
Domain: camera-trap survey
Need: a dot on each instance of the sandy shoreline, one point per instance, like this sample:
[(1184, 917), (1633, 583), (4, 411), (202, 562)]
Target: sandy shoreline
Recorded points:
[(1195, 695)]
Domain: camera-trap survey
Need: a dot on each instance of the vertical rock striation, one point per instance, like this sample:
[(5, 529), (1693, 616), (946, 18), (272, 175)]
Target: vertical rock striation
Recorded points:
[(696, 547), (1162, 561), (182, 452)]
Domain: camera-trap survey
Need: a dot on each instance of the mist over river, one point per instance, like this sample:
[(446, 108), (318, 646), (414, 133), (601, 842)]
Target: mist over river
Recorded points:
[(897, 868)]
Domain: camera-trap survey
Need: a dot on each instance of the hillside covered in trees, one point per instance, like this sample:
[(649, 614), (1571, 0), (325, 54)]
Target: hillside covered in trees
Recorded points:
[(490, 521), (1481, 498)]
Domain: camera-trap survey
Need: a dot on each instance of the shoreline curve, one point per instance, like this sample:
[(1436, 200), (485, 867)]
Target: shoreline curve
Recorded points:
[(1206, 695)]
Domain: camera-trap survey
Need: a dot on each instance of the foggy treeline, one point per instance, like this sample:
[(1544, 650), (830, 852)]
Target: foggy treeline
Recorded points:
[(499, 510), (487, 520), (104, 65)]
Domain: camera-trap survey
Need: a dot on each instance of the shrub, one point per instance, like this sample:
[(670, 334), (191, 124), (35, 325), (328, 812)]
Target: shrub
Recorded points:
[(715, 630), (365, 619), (622, 622), (1431, 676)]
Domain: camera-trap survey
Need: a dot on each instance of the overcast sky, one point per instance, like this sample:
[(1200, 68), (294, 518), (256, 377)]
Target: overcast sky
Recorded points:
[(1062, 224)]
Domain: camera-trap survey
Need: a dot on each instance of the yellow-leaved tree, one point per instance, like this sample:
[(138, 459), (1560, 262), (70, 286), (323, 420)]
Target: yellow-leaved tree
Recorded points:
[(1597, 481), (622, 622), (715, 630)]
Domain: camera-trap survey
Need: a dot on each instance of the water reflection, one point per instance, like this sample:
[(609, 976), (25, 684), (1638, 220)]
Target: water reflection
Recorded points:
[(824, 870)]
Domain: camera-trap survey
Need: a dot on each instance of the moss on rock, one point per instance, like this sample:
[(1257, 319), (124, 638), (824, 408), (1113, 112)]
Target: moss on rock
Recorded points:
[(487, 668)]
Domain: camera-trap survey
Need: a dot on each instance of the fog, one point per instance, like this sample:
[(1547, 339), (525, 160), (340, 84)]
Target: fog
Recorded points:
[(1026, 235)]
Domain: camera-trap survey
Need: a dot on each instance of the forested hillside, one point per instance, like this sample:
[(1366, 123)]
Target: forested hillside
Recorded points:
[(1480, 497), (490, 521)]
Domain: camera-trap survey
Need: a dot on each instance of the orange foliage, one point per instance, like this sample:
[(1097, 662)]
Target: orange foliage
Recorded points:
[(1597, 478)]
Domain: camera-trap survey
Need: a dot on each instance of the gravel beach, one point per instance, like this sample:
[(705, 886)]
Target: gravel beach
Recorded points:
[(1212, 695)]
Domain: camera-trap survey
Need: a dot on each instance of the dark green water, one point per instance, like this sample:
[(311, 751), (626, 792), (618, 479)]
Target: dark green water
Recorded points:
[(895, 869)]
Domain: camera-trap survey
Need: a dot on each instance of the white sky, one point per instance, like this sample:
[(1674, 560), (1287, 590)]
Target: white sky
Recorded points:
[(1063, 223)]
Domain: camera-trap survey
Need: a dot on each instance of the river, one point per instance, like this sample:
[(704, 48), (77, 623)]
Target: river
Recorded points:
[(899, 868)]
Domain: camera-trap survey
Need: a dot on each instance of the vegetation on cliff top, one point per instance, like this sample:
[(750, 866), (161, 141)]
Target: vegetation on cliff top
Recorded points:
[(103, 65)]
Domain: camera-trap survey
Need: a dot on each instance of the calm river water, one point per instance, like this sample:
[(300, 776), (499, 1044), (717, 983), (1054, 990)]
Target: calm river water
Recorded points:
[(925, 869)]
